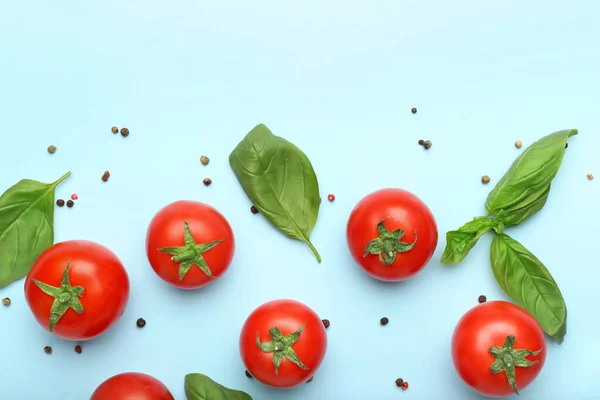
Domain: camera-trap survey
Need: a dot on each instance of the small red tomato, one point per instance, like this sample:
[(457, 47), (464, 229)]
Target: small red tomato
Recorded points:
[(189, 244), (498, 348), (283, 343), (132, 386), (77, 289), (391, 234)]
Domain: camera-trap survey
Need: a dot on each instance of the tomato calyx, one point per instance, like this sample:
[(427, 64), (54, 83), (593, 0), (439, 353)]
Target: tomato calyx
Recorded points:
[(65, 297), (190, 253), (281, 346), (388, 244), (507, 358)]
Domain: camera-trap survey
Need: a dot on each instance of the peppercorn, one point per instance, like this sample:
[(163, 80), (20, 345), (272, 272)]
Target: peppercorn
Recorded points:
[(331, 197), (70, 203), (384, 321), (124, 132), (48, 350), (482, 299), (404, 386), (310, 380), (421, 142), (204, 160), (399, 382), (414, 110), (566, 145), (518, 144), (590, 177), (78, 349), (6, 301), (105, 176), (60, 202), (427, 144), (326, 323), (254, 210), (51, 149), (485, 179), (248, 374), (141, 322), (114, 129), (207, 181)]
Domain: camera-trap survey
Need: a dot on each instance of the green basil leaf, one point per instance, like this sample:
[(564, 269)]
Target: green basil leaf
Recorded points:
[(523, 190), (201, 387), (280, 181), (528, 282), (461, 241), (26, 226)]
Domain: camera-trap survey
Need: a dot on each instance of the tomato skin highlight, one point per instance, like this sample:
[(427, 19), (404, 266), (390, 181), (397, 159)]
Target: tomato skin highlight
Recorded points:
[(288, 316), (206, 224), (132, 386), (92, 266), (400, 209), (487, 325)]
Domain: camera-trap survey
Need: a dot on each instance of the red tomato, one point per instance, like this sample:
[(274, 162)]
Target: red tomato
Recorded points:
[(486, 329), (132, 386), (189, 244), (77, 289), (391, 234), (288, 331)]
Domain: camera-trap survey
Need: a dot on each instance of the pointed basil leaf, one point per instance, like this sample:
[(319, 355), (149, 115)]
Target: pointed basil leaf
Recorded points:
[(26, 226), (528, 282), (280, 181), (201, 387), (461, 241), (523, 190)]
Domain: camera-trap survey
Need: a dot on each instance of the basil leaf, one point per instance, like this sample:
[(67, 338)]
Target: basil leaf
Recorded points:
[(528, 282), (280, 181), (26, 226), (523, 190), (201, 387), (461, 241)]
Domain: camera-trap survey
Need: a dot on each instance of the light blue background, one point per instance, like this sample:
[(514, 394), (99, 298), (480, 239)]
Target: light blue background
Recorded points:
[(337, 78)]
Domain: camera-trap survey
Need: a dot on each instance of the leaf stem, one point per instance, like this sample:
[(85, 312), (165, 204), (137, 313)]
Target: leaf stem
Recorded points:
[(62, 178), (314, 250)]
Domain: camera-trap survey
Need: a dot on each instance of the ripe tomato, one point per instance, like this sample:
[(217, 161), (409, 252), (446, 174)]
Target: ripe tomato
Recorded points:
[(189, 244), (132, 386), (283, 343), (77, 289), (489, 335), (391, 234)]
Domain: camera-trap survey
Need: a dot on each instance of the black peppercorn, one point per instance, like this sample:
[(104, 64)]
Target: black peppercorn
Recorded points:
[(482, 299), (399, 382), (248, 374), (254, 210), (60, 202), (326, 323), (48, 350), (414, 110), (78, 349), (70, 203), (124, 132), (384, 321), (141, 322), (207, 181)]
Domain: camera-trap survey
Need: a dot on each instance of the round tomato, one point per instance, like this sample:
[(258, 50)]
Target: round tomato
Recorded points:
[(189, 244), (283, 343), (132, 386), (77, 289), (391, 234), (498, 348)]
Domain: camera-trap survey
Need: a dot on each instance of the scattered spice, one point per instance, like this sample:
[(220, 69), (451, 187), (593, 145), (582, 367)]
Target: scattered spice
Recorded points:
[(6, 302), (70, 203), (78, 349), (404, 386), (51, 149), (414, 110), (384, 321), (518, 144), (485, 179), (141, 322), (48, 350), (207, 181), (254, 210), (427, 144), (60, 202), (421, 142), (590, 177), (114, 129), (248, 374), (74, 196), (310, 380), (105, 176), (326, 323), (204, 160), (124, 132), (482, 299), (331, 197), (566, 145), (399, 382)]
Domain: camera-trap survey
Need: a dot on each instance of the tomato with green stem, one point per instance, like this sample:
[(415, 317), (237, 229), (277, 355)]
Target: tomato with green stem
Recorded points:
[(498, 348), (132, 386)]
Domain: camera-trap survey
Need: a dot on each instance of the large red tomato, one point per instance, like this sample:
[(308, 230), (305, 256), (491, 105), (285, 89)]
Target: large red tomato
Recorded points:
[(498, 348), (283, 343), (189, 244), (132, 386), (77, 289), (391, 234)]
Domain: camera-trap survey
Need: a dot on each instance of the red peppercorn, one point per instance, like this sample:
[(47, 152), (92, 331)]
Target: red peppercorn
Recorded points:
[(331, 197), (74, 196), (404, 386)]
